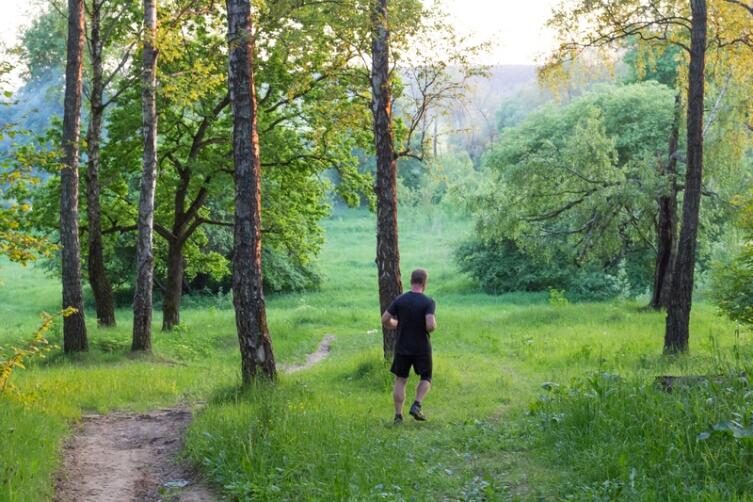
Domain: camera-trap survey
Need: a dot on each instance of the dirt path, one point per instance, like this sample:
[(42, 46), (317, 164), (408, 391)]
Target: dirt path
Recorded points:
[(315, 357), (126, 457), (121, 457)]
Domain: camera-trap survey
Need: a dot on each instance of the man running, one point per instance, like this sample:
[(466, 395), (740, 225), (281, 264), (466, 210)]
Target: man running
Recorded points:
[(412, 314)]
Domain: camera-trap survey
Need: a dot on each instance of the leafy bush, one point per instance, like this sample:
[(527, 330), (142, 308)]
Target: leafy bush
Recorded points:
[(732, 274), (732, 286), (36, 348), (502, 267)]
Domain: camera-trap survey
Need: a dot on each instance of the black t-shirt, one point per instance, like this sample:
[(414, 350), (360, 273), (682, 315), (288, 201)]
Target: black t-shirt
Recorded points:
[(411, 310)]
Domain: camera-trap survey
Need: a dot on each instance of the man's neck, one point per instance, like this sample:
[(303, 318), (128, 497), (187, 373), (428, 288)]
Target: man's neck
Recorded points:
[(417, 289)]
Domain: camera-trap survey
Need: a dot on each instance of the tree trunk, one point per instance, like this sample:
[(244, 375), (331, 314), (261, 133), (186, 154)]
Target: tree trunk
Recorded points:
[(142, 299), (100, 285), (678, 316), (174, 285), (666, 228), (248, 296), (388, 253), (74, 325)]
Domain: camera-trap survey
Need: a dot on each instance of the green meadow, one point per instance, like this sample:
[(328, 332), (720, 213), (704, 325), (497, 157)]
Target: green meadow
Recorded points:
[(533, 399)]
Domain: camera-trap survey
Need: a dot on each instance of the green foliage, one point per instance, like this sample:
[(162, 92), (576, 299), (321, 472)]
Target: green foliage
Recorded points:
[(501, 267), (557, 298), (284, 273), (624, 438), (581, 180), (17, 179), (732, 274), (732, 286), (443, 182), (36, 348), (42, 43)]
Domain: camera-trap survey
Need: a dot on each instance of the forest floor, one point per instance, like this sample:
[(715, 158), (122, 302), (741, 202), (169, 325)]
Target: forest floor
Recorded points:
[(532, 400)]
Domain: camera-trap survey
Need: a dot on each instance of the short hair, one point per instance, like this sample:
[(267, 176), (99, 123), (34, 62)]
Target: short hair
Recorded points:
[(419, 276)]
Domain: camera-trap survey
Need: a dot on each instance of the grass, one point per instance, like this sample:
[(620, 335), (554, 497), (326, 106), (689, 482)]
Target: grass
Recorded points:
[(325, 433)]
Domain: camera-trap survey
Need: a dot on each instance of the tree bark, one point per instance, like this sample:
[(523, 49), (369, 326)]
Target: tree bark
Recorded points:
[(388, 253), (173, 285), (257, 358), (101, 287), (186, 219), (666, 228), (74, 325), (142, 299), (678, 315)]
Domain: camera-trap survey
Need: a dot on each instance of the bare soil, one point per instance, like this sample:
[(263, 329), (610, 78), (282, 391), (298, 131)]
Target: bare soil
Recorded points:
[(120, 457), (316, 357)]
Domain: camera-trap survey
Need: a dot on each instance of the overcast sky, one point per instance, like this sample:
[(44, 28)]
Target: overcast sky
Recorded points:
[(515, 27)]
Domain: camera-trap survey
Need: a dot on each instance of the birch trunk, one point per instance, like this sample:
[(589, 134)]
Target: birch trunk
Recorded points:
[(142, 298)]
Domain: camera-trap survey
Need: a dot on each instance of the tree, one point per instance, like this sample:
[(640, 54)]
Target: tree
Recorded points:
[(604, 23), (101, 36), (74, 326), (577, 185), (142, 298), (248, 296), (308, 121), (666, 224), (678, 314), (388, 252)]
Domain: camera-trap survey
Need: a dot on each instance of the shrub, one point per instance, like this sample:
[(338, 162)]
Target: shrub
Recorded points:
[(502, 267), (732, 286), (36, 348)]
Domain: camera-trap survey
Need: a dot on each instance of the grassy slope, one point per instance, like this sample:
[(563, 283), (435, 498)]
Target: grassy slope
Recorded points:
[(324, 433)]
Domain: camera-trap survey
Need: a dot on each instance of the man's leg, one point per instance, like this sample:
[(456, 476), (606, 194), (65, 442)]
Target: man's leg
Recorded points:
[(423, 388), (423, 366), (398, 394)]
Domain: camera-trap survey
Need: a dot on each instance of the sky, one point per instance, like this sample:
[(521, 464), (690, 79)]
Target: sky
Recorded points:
[(516, 28), (13, 14)]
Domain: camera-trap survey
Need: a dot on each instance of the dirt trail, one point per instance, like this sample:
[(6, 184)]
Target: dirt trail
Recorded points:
[(120, 457), (315, 357), (133, 457)]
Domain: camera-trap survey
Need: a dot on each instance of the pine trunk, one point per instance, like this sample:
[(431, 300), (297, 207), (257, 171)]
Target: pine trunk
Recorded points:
[(666, 228), (74, 325), (678, 315), (173, 285), (101, 287), (388, 253), (257, 358), (142, 299)]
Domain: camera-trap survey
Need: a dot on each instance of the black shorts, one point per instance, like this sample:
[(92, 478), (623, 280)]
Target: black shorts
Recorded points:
[(421, 363)]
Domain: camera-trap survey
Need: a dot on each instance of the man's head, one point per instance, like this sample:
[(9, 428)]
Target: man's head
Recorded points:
[(418, 279)]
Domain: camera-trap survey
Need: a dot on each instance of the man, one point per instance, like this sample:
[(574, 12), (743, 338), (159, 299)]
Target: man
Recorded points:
[(412, 314)]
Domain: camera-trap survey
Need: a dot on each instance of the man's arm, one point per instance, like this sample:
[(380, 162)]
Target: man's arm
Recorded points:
[(389, 321), (431, 323)]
